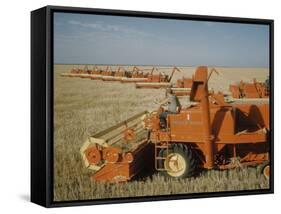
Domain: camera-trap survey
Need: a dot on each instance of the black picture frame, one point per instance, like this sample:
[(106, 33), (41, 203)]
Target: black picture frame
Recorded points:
[(42, 91)]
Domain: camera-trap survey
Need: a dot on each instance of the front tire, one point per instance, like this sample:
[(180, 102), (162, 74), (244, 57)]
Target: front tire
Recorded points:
[(179, 162), (265, 169)]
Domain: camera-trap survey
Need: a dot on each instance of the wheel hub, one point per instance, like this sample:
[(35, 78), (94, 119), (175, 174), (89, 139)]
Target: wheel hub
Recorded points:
[(175, 164)]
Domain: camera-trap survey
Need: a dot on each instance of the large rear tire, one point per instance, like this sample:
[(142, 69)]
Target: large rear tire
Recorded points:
[(179, 162)]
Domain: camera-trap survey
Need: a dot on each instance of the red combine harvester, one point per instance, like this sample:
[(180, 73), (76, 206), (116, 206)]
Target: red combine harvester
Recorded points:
[(159, 80), (116, 75), (99, 73), (95, 73), (74, 72), (250, 90), (210, 134), (136, 75), (85, 73), (182, 87), (77, 72)]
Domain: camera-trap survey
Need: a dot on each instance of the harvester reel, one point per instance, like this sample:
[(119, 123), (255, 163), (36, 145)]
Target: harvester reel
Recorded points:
[(93, 155), (179, 162)]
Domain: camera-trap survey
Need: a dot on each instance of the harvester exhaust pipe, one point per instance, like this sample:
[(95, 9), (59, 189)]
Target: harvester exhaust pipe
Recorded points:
[(200, 93)]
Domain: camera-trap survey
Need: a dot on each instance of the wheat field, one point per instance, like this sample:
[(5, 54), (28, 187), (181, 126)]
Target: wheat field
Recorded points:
[(83, 107)]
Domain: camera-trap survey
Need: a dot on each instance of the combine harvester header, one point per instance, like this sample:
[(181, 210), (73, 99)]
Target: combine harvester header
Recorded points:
[(120, 152), (159, 80), (136, 75), (116, 75)]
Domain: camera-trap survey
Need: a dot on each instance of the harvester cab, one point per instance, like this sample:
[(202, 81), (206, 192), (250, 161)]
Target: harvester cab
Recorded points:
[(199, 88), (172, 105)]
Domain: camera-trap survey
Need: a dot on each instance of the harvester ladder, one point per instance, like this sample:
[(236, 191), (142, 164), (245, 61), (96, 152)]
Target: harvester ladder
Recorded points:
[(158, 147)]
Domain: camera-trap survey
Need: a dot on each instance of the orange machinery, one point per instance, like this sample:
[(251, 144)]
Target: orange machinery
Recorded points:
[(116, 75), (211, 133), (136, 75), (208, 134), (78, 72), (74, 72), (156, 81), (98, 74), (120, 152), (182, 87), (86, 72), (250, 90)]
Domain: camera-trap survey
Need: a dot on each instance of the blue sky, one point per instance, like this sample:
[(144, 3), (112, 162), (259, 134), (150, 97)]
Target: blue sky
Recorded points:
[(98, 39)]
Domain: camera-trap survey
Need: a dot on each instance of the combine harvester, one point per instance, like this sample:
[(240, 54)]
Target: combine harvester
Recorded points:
[(182, 87), (110, 75), (77, 72), (136, 75), (68, 74), (250, 90), (99, 73), (210, 134), (74, 72), (116, 75), (86, 72), (95, 73), (156, 81)]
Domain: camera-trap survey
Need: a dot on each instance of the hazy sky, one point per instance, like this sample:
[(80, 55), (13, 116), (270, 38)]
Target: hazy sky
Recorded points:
[(98, 39)]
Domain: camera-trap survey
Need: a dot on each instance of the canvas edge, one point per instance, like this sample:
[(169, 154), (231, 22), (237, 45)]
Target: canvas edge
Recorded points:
[(46, 197)]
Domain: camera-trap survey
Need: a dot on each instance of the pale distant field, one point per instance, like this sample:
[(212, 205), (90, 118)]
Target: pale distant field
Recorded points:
[(83, 107)]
